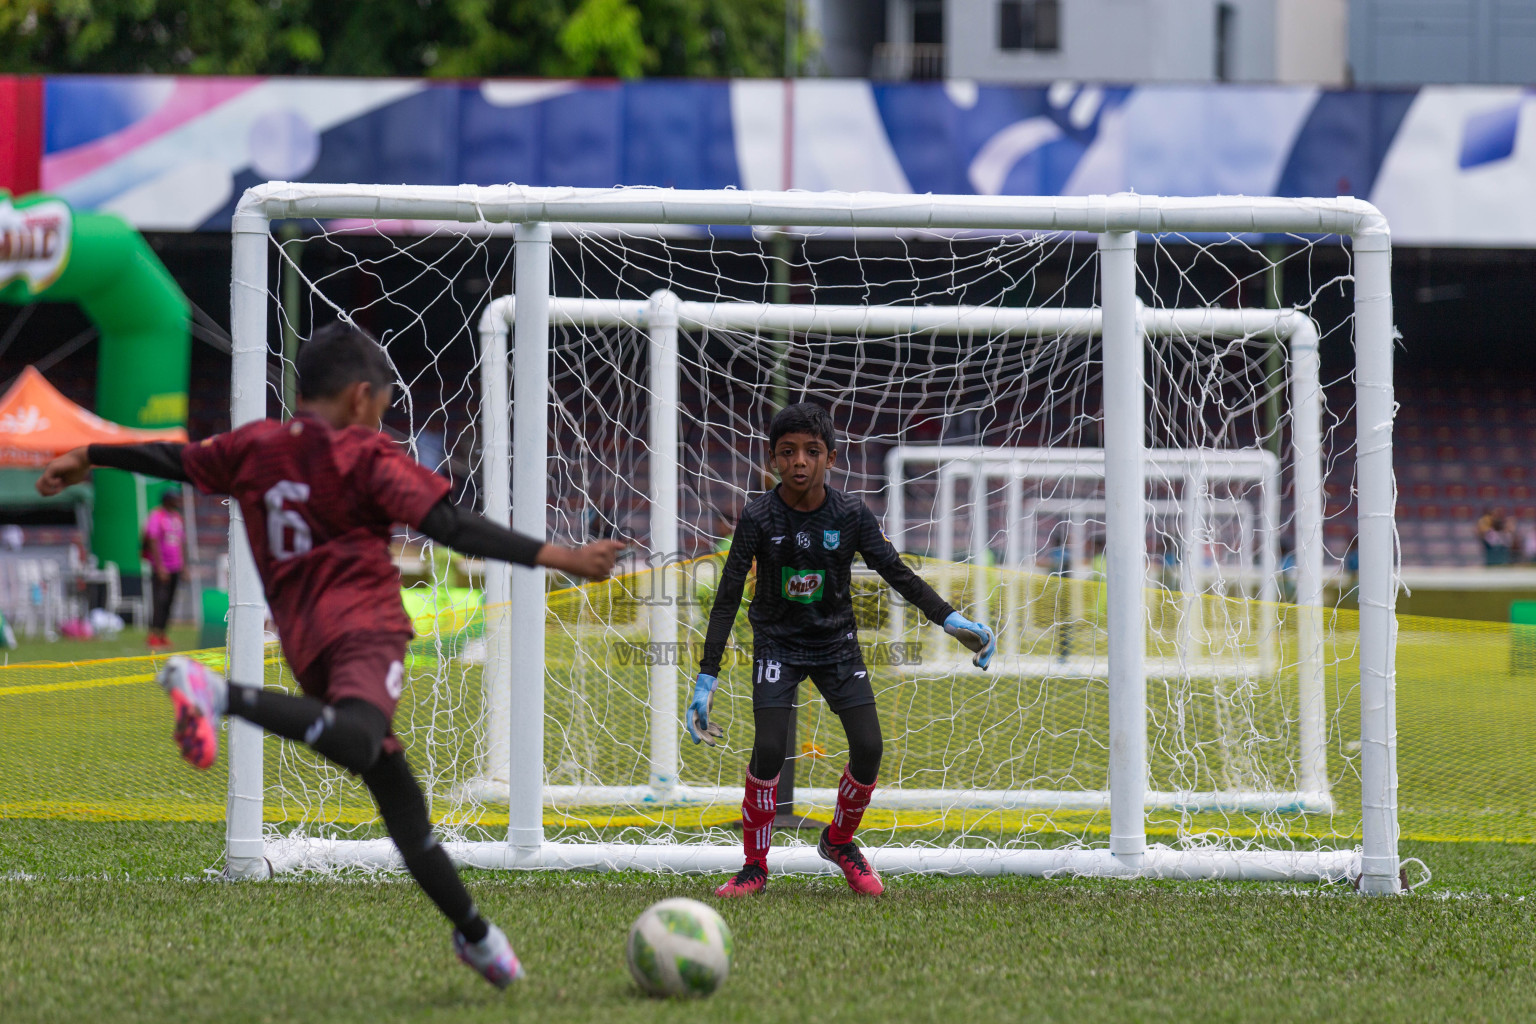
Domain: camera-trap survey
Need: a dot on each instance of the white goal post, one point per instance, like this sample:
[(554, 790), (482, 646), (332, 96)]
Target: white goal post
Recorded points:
[(1122, 325)]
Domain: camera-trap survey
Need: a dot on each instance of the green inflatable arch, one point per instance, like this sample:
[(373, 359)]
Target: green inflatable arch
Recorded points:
[(51, 253)]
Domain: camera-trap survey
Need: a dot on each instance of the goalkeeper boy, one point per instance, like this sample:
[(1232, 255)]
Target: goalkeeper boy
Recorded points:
[(320, 495), (803, 536)]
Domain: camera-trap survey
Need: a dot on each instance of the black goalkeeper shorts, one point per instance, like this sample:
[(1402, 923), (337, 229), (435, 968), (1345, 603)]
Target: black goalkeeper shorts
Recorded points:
[(845, 685)]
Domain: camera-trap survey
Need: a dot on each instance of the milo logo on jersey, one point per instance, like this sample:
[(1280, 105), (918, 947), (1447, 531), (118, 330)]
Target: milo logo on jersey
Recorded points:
[(804, 585)]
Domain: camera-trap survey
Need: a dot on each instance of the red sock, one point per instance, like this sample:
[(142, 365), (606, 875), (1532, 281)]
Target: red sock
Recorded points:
[(852, 798), (757, 809)]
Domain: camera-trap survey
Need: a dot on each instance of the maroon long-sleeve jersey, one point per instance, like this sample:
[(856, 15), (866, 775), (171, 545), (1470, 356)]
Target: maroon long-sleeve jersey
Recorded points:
[(319, 507)]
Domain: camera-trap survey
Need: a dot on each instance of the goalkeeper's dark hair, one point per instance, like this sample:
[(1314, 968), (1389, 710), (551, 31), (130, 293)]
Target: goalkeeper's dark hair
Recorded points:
[(337, 356), (802, 418)]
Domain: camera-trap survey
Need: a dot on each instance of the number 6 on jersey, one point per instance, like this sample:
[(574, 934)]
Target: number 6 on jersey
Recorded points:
[(287, 532)]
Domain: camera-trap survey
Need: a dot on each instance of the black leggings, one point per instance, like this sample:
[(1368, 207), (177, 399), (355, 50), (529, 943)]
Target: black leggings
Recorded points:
[(861, 724), (351, 733), (164, 592), (404, 810)]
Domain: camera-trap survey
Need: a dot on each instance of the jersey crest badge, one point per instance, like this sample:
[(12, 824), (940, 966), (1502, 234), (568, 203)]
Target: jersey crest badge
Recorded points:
[(803, 586), (830, 539)]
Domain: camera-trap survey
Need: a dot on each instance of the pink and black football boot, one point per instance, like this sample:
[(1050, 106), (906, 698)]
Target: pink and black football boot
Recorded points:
[(861, 875), (491, 957), (200, 696), (752, 878)]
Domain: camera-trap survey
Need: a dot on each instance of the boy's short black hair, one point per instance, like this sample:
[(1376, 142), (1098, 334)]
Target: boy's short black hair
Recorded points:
[(802, 418), (337, 356)]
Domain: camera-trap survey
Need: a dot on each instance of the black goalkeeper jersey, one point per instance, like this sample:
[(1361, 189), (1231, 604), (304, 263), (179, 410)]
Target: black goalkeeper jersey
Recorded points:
[(802, 611)]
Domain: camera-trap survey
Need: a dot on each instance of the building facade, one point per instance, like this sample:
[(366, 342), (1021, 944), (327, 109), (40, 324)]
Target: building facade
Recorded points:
[(1084, 40), (1318, 42), (1417, 42)]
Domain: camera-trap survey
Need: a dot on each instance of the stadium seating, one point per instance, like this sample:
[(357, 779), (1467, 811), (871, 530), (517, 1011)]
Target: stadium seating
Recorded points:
[(1462, 443)]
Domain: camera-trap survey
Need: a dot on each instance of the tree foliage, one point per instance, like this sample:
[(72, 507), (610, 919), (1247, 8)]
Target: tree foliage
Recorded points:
[(443, 38)]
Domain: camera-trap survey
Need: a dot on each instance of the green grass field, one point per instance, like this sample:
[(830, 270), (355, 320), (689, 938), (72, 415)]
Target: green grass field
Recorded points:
[(112, 908), (117, 922), (127, 644)]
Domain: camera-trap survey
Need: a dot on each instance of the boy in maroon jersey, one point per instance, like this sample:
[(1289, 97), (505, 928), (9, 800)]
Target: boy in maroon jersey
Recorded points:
[(320, 495)]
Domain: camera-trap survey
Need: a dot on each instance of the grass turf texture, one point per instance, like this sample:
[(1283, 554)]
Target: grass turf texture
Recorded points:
[(130, 643), (117, 920), (113, 922)]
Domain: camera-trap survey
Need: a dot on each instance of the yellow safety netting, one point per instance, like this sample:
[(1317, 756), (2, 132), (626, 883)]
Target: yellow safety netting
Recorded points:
[(92, 740)]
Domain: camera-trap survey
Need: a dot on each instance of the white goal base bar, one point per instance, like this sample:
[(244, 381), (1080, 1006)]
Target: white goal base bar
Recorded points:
[(1230, 801), (1081, 666), (285, 856)]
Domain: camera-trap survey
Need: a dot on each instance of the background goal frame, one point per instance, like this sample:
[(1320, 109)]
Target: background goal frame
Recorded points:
[(661, 317)]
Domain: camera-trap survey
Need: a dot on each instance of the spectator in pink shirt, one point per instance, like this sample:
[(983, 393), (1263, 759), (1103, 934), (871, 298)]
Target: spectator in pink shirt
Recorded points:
[(164, 546)]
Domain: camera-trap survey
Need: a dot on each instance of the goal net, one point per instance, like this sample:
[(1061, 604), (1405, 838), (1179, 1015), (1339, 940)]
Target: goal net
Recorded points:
[(1114, 453)]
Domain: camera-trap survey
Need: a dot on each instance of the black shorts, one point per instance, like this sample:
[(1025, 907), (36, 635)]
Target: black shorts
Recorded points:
[(845, 685)]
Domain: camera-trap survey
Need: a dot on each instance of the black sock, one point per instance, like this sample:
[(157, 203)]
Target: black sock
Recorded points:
[(475, 928), (350, 733), (404, 810), (434, 872), (865, 747)]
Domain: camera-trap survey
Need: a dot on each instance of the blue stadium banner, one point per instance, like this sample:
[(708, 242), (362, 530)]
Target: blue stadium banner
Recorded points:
[(1449, 165)]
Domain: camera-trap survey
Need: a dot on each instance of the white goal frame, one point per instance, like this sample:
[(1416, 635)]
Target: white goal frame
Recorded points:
[(1116, 220), (660, 319), (1191, 467)]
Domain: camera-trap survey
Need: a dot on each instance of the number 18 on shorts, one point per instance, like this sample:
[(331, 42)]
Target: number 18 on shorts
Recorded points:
[(844, 684)]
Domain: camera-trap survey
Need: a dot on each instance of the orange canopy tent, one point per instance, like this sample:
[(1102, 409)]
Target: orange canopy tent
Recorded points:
[(37, 423)]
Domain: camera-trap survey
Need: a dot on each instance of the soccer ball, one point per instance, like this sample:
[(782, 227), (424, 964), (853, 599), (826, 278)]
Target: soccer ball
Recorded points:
[(679, 947)]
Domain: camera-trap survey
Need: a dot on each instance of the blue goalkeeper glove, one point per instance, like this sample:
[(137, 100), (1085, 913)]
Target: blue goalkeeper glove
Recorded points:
[(980, 639), (700, 728)]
